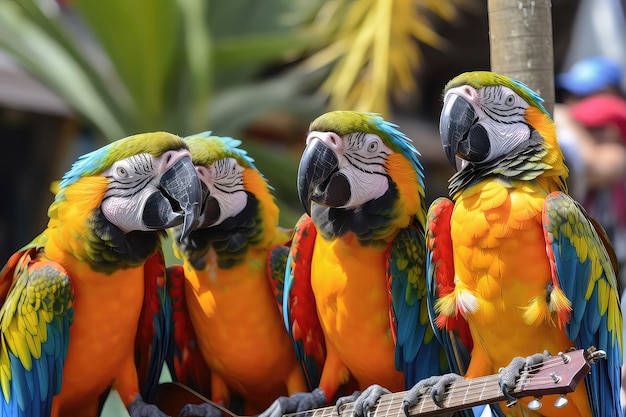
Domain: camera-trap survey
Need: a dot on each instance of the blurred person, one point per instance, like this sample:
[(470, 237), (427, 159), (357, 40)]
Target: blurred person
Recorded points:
[(587, 77), (603, 150), (592, 75)]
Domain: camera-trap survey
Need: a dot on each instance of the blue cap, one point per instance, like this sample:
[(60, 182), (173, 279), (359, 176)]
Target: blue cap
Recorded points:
[(590, 75)]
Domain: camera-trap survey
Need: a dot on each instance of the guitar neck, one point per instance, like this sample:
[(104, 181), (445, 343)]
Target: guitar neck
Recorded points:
[(556, 375), (460, 395)]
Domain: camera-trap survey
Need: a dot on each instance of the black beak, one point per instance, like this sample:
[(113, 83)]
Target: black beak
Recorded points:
[(460, 134), (179, 200), (319, 179)]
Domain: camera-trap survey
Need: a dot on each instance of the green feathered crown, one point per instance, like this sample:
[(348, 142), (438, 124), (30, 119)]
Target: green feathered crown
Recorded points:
[(480, 79), (98, 161), (346, 122)]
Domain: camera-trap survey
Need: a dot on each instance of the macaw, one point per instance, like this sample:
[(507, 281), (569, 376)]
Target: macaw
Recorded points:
[(511, 254), (80, 308), (229, 296), (355, 290)]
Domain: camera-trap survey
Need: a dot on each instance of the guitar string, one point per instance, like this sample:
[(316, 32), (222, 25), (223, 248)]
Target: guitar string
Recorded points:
[(395, 408), (393, 401), (474, 385)]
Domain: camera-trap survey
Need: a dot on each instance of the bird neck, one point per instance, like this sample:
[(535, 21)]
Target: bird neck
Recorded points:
[(537, 159), (231, 240), (97, 242)]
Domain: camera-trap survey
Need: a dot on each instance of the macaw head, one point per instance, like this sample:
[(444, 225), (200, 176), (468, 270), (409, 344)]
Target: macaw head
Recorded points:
[(357, 163), (488, 120), (237, 203), (148, 182), (109, 197)]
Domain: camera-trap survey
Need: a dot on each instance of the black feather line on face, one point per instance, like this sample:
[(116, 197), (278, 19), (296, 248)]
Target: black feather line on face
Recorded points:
[(508, 167), (370, 222), (231, 239)]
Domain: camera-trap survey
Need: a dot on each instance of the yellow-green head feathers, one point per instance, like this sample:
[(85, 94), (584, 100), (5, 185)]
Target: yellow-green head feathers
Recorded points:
[(480, 79), (98, 161), (206, 149), (346, 122)]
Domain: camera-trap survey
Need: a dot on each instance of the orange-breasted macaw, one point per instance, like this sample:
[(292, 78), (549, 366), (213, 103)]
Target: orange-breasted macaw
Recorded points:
[(511, 253), (80, 309), (228, 294), (355, 289)]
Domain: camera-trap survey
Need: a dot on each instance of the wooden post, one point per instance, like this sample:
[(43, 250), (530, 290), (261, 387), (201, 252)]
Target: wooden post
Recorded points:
[(520, 33)]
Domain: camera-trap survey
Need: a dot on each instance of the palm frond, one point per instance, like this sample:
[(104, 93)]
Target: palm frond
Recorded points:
[(373, 48)]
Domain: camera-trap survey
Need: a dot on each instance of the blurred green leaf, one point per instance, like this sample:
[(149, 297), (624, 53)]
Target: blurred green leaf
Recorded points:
[(145, 65), (53, 63), (255, 49)]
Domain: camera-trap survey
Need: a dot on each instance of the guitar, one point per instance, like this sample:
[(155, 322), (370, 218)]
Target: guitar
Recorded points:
[(555, 375)]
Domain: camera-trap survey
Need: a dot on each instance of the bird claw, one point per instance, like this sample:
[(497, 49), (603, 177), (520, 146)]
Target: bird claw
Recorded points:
[(343, 401), (295, 403), (363, 401), (435, 384), (509, 375), (140, 408), (201, 410)]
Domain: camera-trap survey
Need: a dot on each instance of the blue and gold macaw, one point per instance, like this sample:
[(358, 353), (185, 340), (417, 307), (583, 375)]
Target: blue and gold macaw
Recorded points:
[(230, 303), (512, 254), (81, 308), (355, 290)]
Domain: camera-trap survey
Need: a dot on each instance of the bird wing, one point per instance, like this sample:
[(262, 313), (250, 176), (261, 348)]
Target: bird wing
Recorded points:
[(582, 272), (418, 353), (35, 320), (183, 358), (299, 311), (276, 265), (452, 331), (151, 341)]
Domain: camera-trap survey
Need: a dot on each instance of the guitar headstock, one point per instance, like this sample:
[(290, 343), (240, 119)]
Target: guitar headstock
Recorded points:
[(557, 374)]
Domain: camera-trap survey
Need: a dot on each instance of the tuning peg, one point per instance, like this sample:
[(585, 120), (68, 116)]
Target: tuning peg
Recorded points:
[(565, 358), (535, 404), (561, 401), (555, 378)]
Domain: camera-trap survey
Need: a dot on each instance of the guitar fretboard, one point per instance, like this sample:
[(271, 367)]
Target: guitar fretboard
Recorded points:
[(459, 395)]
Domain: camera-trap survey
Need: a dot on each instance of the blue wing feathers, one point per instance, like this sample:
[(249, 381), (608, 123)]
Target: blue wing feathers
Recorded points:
[(585, 274), (41, 292), (418, 354)]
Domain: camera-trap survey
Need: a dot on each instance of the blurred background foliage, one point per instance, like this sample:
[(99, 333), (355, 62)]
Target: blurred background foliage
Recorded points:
[(248, 69)]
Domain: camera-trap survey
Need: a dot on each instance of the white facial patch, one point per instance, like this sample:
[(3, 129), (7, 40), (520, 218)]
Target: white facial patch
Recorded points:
[(132, 181), (503, 117), (363, 164), (225, 183)]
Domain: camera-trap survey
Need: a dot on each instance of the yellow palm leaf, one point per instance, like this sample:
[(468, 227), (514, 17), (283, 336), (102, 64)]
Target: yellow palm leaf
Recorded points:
[(373, 47)]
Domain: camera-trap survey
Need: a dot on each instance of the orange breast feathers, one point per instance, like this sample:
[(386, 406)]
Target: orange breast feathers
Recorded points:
[(101, 308), (241, 333), (353, 306), (500, 260)]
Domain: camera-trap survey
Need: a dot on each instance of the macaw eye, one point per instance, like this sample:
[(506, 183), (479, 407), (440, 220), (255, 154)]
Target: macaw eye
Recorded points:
[(372, 146), (510, 99), (121, 172)]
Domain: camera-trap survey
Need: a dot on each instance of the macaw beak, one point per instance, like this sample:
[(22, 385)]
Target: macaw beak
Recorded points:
[(179, 200), (461, 135), (318, 177)]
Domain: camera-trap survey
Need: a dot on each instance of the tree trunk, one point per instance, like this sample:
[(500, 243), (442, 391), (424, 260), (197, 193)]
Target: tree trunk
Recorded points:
[(520, 33)]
